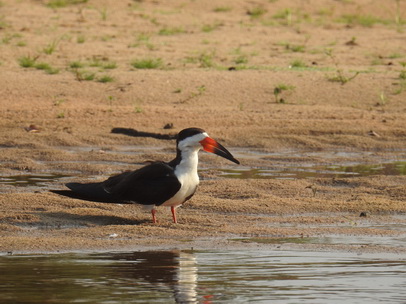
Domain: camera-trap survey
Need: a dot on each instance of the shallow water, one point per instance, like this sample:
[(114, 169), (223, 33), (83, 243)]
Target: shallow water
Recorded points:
[(203, 277), (281, 172), (318, 171), (396, 241), (36, 179)]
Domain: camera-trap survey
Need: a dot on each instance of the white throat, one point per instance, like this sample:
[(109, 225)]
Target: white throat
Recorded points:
[(187, 167)]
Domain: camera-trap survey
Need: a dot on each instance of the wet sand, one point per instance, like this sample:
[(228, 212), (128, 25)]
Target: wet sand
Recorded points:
[(219, 70)]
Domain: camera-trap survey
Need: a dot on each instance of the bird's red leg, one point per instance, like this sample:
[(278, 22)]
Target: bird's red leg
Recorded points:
[(153, 212), (174, 214)]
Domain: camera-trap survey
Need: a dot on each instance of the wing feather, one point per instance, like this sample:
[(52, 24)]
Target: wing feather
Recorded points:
[(152, 184)]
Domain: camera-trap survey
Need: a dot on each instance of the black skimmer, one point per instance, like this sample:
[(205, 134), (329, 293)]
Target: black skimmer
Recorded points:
[(158, 183)]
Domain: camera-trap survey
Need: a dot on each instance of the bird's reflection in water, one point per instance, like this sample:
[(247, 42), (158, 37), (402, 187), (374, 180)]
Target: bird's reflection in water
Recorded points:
[(160, 269)]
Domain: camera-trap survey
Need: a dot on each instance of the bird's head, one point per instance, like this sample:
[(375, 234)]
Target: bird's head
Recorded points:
[(195, 138)]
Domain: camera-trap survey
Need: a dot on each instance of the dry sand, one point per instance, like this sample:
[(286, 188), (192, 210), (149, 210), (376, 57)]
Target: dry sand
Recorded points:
[(343, 88)]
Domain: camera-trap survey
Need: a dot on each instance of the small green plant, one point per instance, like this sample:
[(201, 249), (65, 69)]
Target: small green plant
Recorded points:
[(137, 109), (222, 9), (110, 99), (52, 71), (377, 61), (88, 76), (352, 42), (3, 23), (46, 67), (106, 38), (200, 90), (9, 37), (147, 63), (95, 62), (362, 20), (105, 79), (241, 59), (60, 115), (109, 65), (80, 39), (151, 46), (339, 76), (210, 27), (383, 98), (142, 39), (84, 75), (256, 12), (51, 47), (401, 87), (204, 59), (398, 17), (298, 64), (402, 74), (296, 48), (42, 66), (103, 63), (103, 13), (21, 43), (395, 55), (76, 65), (27, 61), (284, 15), (63, 3), (31, 62), (137, 106), (279, 89), (58, 102), (168, 31)]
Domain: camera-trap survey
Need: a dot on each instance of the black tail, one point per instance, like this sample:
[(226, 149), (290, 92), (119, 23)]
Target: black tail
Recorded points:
[(90, 192)]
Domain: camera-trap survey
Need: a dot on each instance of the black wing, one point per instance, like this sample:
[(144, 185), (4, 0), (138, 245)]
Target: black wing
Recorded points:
[(150, 185)]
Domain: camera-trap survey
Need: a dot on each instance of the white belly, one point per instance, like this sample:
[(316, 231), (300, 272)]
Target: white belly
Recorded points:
[(189, 184)]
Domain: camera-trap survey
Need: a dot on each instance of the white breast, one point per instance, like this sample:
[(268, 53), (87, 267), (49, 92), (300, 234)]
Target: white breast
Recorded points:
[(186, 172)]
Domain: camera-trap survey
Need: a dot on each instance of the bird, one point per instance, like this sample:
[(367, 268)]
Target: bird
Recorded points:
[(159, 183)]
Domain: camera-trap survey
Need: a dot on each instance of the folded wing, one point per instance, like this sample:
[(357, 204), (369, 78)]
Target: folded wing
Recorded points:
[(150, 185)]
